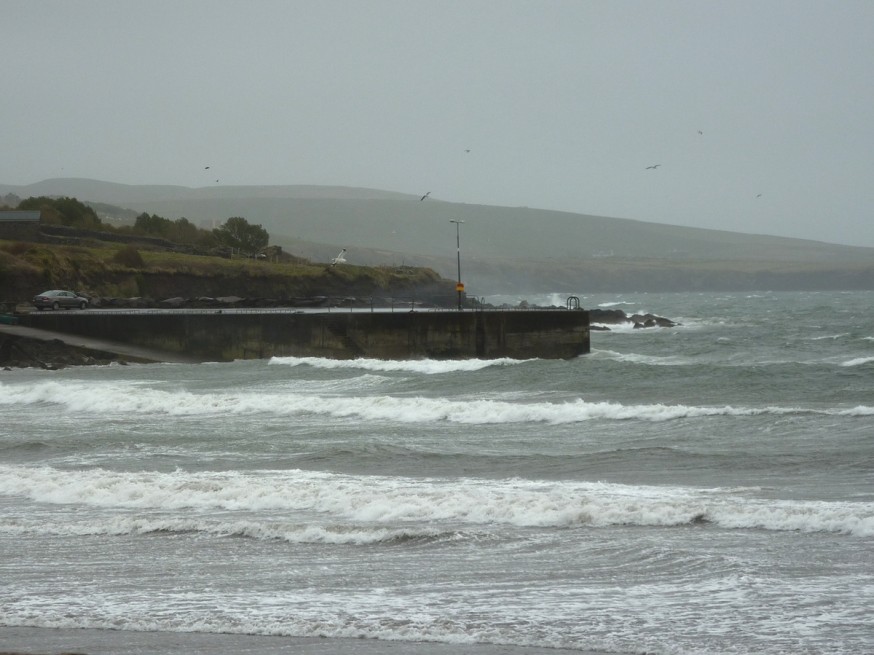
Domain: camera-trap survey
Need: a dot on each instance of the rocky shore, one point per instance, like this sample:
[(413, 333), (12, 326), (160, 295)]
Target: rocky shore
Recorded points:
[(51, 355)]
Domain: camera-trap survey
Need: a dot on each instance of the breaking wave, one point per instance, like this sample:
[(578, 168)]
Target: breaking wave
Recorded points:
[(423, 366), (112, 400), (377, 500)]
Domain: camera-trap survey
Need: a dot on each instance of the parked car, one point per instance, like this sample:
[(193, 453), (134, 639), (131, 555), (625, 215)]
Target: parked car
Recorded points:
[(55, 299)]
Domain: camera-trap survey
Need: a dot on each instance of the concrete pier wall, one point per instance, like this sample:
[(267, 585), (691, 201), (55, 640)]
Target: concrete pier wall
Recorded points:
[(225, 336)]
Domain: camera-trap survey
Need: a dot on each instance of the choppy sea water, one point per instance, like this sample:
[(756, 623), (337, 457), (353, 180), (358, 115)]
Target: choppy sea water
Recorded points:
[(703, 489)]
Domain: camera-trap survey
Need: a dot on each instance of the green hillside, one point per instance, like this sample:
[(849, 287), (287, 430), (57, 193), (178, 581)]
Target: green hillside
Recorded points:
[(503, 248)]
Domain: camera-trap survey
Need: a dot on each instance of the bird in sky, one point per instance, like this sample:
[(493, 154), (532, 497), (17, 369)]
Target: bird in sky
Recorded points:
[(206, 168), (425, 196), (467, 150), (653, 167), (340, 258), (700, 132), (758, 195)]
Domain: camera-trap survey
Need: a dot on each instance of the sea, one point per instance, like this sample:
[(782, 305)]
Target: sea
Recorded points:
[(703, 489)]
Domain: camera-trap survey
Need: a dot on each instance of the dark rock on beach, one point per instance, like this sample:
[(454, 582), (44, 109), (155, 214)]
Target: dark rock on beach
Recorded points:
[(601, 318), (51, 355)]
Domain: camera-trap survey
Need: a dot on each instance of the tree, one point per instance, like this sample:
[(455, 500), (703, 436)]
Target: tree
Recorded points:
[(153, 225), (179, 231), (238, 234), (64, 211), (184, 231)]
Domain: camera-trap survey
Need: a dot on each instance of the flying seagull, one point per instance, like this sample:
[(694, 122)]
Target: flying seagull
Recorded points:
[(339, 259), (700, 132), (425, 196), (654, 166), (206, 168)]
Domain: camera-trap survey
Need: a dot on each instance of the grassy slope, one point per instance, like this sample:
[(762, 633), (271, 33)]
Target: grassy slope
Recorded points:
[(27, 269)]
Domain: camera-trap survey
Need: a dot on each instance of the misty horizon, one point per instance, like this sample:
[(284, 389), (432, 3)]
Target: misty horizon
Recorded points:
[(750, 117)]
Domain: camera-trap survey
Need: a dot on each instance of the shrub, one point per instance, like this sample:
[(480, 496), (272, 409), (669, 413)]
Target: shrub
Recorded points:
[(17, 247), (129, 256)]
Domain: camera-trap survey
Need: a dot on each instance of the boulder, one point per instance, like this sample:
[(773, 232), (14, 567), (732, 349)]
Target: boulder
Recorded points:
[(599, 316)]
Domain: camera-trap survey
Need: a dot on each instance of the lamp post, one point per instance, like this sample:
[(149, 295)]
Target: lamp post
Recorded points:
[(459, 287)]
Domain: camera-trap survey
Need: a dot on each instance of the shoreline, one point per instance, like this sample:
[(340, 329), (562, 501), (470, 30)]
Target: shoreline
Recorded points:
[(90, 641)]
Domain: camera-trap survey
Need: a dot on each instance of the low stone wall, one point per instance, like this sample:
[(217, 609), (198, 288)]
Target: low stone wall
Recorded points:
[(225, 336), (19, 230)]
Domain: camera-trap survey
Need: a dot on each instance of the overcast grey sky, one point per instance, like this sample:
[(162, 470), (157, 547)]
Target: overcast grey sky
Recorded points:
[(758, 112)]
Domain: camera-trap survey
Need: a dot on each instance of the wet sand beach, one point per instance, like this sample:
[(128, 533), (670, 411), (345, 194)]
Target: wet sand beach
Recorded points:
[(44, 641)]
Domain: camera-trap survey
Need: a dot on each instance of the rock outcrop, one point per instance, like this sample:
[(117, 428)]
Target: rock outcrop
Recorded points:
[(601, 318), (23, 352)]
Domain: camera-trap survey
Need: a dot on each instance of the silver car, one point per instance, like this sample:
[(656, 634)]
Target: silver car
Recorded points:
[(55, 299)]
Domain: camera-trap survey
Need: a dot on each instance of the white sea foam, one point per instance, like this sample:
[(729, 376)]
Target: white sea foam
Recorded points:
[(625, 326), (858, 361), (255, 529), (381, 500), (859, 410), (424, 366), (830, 337), (651, 360)]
